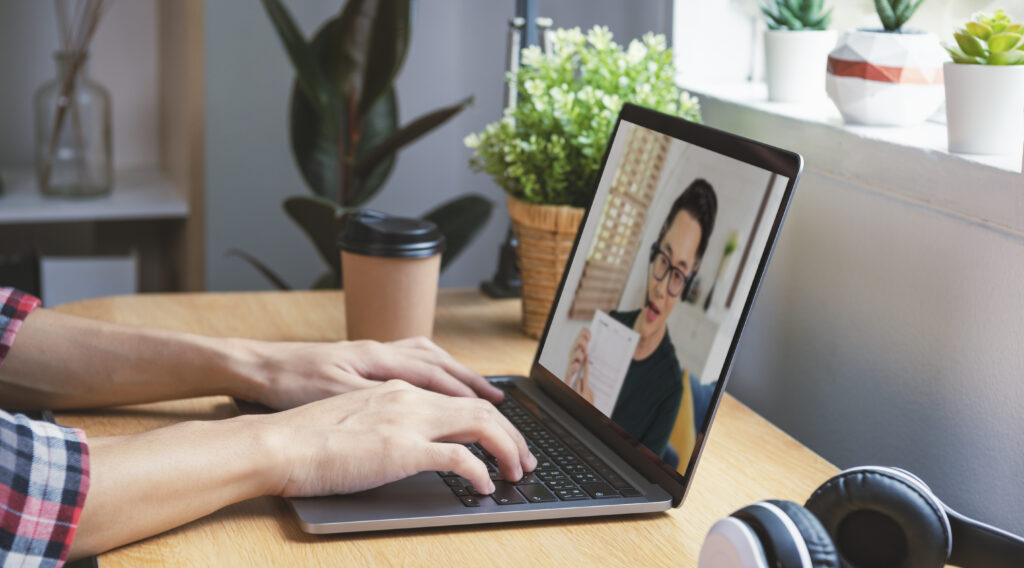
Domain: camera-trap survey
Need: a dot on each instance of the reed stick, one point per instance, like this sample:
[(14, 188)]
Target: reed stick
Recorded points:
[(76, 34)]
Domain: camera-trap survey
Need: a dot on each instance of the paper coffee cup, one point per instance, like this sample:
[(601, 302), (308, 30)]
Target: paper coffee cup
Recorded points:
[(390, 268)]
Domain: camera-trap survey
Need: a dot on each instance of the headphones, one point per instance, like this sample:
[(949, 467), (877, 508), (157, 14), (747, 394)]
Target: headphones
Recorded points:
[(689, 278), (865, 517)]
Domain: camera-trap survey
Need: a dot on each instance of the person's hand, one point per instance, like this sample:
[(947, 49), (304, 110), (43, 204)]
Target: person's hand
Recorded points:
[(292, 374), (577, 374), (374, 436)]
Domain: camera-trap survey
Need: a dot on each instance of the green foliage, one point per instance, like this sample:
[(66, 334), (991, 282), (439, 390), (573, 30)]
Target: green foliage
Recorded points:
[(548, 149), (344, 125), (796, 15), (895, 13), (989, 40)]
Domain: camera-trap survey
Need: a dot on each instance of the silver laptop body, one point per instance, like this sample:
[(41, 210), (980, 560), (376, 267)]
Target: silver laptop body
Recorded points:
[(652, 159)]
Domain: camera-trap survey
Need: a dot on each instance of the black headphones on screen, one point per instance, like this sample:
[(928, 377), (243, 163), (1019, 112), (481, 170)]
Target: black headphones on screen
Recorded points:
[(865, 517)]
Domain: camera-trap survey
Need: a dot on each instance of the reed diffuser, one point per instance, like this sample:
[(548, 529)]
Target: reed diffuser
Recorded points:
[(72, 112)]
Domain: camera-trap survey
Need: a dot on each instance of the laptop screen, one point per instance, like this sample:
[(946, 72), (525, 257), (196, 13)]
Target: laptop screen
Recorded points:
[(658, 284)]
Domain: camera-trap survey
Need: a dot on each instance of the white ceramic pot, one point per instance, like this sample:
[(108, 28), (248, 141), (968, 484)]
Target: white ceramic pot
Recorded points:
[(985, 108), (886, 79), (795, 63)]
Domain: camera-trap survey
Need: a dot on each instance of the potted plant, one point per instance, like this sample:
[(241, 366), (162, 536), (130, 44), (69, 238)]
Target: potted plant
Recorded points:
[(547, 150), (985, 86), (890, 76), (796, 48), (343, 123)]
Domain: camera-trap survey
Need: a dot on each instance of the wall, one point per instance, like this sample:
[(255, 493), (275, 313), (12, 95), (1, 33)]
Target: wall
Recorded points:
[(889, 325), (458, 49)]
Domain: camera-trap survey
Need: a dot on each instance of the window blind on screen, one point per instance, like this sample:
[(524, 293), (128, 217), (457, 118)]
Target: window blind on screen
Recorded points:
[(621, 226)]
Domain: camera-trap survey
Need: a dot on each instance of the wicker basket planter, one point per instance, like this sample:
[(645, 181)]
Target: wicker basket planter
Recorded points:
[(546, 234)]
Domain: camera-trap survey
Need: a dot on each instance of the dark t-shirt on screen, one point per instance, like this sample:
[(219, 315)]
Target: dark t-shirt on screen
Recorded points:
[(651, 393)]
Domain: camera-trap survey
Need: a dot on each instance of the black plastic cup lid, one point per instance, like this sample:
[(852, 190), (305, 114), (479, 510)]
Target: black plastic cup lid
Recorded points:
[(373, 233)]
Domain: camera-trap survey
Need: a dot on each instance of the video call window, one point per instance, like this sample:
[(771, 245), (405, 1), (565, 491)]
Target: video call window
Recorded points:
[(646, 317)]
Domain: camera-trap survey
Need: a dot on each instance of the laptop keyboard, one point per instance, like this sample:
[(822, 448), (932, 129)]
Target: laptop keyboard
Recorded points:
[(566, 469)]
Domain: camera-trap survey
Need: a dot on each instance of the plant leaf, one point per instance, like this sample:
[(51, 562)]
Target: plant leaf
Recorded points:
[(886, 14), (320, 220), (408, 134), (1013, 57), (378, 125), (961, 57), (314, 146), (308, 74), (969, 44), (979, 30), (327, 281), (1003, 42), (388, 44), (349, 47), (263, 269), (459, 220), (790, 19)]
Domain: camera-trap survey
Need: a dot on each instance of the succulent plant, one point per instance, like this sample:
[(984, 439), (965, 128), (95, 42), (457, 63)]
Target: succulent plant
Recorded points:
[(895, 13), (989, 40), (796, 15)]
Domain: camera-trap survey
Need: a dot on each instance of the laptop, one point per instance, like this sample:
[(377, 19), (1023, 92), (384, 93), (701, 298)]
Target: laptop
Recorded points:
[(638, 344)]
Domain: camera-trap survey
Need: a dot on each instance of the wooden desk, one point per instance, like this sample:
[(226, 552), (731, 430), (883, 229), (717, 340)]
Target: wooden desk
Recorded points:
[(746, 458)]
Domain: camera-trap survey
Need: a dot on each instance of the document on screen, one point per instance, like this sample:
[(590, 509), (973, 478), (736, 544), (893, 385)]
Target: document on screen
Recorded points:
[(609, 354)]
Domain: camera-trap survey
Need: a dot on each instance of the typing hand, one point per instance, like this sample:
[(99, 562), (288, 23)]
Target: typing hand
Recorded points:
[(292, 374), (377, 435)]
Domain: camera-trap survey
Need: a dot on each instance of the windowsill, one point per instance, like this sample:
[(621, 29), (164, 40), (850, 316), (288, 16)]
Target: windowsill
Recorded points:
[(909, 163)]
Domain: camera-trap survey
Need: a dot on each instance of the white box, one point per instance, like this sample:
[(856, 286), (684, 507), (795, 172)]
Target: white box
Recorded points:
[(65, 279)]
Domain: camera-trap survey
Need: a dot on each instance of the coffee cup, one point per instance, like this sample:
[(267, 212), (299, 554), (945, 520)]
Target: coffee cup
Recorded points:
[(390, 268)]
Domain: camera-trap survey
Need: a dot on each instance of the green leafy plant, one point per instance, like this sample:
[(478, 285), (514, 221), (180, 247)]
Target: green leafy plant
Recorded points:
[(548, 148), (895, 13), (344, 129), (796, 15), (989, 40)]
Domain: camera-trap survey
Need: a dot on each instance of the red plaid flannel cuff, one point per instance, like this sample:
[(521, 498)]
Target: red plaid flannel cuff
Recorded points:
[(14, 308)]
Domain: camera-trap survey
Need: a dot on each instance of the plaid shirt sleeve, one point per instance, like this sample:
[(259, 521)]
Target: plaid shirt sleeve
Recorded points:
[(44, 470), (14, 308)]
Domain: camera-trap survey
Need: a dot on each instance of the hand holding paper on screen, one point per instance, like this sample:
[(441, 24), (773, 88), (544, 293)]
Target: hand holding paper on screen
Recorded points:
[(609, 352)]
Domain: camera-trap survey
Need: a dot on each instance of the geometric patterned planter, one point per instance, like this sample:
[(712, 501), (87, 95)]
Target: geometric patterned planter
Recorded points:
[(886, 78)]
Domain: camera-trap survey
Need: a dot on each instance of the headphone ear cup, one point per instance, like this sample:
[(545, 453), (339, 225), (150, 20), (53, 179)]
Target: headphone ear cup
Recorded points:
[(819, 544), (880, 518)]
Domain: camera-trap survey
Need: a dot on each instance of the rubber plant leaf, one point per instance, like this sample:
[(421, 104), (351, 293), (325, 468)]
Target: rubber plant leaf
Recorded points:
[(408, 134), (308, 74), (320, 219), (379, 124), (263, 269), (314, 138), (388, 44), (327, 281), (459, 220)]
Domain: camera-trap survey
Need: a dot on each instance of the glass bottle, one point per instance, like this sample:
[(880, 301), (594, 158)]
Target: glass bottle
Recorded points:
[(73, 140)]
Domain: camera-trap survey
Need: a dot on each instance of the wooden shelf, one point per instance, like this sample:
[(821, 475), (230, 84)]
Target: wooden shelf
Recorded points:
[(137, 194)]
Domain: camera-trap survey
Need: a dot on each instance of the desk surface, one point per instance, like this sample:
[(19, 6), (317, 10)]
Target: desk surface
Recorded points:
[(746, 458)]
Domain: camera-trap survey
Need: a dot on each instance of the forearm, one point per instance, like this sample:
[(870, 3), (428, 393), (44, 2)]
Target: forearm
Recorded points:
[(145, 484), (63, 361)]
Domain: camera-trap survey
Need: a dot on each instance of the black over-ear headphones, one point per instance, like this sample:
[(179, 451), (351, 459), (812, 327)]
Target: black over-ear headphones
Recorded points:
[(689, 277), (865, 517)]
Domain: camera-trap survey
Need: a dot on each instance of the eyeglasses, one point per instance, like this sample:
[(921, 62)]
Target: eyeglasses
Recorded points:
[(661, 266)]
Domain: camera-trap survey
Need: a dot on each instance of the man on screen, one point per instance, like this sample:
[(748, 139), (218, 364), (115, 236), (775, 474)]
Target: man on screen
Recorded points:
[(653, 390)]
